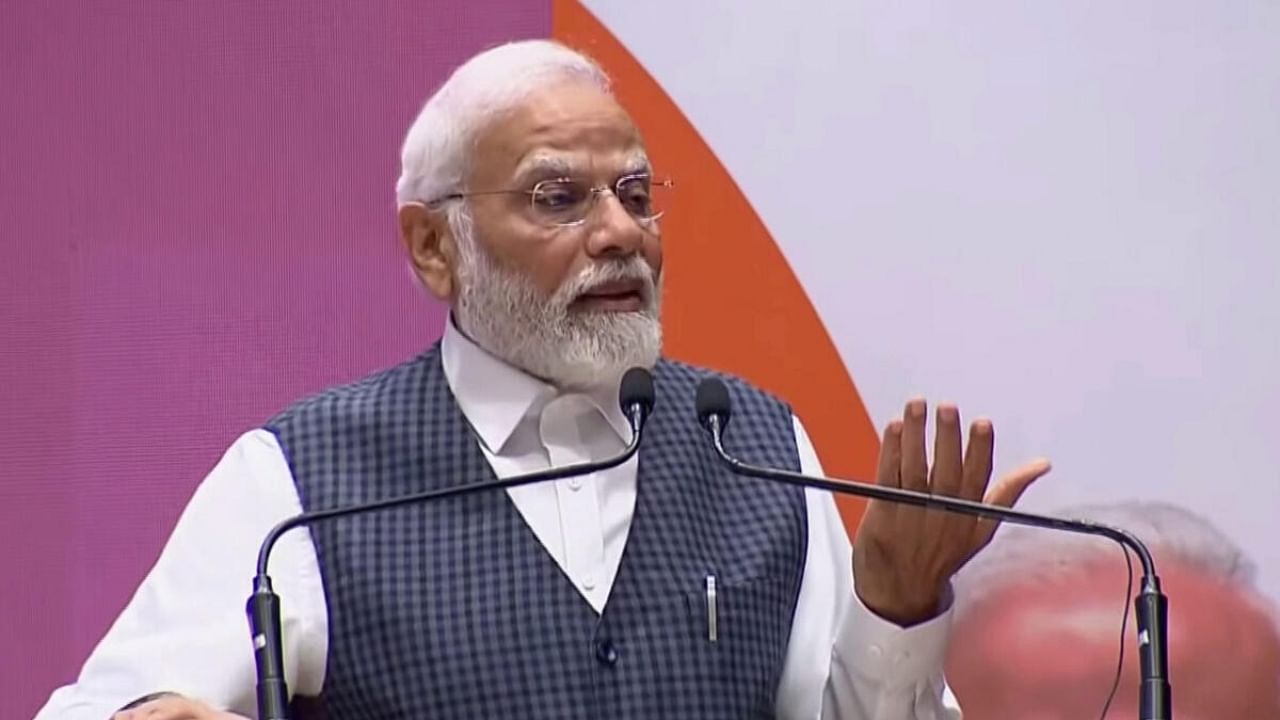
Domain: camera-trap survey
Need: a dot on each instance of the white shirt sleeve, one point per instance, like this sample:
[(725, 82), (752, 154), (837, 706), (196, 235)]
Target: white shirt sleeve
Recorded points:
[(185, 629), (843, 661)]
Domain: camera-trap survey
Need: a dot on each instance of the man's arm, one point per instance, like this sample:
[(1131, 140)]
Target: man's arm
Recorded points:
[(843, 661), (185, 629)]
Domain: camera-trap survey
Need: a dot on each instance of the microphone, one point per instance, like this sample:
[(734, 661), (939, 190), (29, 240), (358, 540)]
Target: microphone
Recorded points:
[(1151, 606), (635, 397)]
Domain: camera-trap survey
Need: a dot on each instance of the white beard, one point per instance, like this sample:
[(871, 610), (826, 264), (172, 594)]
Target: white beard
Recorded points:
[(506, 314)]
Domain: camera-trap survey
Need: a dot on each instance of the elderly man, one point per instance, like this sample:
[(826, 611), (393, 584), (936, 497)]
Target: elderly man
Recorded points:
[(1035, 593), (528, 204)]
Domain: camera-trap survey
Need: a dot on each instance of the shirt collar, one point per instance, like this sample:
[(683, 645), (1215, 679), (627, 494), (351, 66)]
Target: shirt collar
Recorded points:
[(497, 397)]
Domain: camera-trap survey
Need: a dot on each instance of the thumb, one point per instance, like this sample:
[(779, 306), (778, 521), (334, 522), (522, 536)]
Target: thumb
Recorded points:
[(1006, 493), (1010, 488)]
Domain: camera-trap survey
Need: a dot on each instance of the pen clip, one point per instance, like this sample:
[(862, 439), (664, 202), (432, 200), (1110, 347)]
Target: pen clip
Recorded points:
[(713, 630)]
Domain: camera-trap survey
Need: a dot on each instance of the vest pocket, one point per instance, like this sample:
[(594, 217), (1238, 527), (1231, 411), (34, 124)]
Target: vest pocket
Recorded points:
[(751, 621), (754, 610)]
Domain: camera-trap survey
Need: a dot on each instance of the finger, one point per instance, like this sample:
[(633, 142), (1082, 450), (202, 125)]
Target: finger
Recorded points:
[(1011, 487), (182, 713), (977, 460), (879, 511), (887, 471), (945, 476), (914, 468), (162, 712), (1007, 491), (168, 708)]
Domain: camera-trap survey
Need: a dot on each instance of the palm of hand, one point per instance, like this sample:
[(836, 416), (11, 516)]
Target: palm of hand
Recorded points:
[(903, 556)]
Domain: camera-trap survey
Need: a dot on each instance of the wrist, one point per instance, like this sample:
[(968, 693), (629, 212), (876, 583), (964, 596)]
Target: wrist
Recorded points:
[(904, 611)]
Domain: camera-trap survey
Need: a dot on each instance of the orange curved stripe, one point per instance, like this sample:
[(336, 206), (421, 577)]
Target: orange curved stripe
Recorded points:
[(738, 306)]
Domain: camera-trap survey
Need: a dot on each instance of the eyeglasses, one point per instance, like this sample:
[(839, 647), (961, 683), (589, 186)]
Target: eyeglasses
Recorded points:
[(566, 202)]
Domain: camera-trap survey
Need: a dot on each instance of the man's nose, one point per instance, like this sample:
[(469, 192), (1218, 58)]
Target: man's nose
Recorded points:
[(611, 230)]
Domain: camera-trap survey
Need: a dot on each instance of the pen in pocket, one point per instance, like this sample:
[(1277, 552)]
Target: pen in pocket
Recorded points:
[(713, 631)]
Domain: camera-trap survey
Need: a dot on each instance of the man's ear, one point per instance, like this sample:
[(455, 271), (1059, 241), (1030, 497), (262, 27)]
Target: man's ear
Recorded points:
[(426, 236)]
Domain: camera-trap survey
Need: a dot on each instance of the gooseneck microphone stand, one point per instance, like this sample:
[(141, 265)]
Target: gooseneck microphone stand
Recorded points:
[(1151, 605)]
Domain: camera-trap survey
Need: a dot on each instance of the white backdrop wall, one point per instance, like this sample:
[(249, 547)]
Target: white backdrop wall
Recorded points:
[(1062, 215)]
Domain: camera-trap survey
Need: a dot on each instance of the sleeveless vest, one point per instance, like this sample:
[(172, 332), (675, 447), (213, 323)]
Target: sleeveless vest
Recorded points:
[(455, 610)]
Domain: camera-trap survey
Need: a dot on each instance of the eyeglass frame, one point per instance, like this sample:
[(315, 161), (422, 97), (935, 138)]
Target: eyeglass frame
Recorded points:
[(595, 190)]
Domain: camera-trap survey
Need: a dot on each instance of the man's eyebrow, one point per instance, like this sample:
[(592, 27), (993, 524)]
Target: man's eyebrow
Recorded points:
[(637, 164), (544, 166)]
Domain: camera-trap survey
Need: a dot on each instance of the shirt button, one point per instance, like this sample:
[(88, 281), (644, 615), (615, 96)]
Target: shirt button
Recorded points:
[(875, 652), (606, 653), (589, 581), (575, 483)]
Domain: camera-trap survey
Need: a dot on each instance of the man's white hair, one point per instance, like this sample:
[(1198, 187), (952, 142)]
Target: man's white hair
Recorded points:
[(1021, 555), (437, 148)]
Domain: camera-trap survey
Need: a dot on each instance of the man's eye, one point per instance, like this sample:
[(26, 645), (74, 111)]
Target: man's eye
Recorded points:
[(635, 196), (557, 196)]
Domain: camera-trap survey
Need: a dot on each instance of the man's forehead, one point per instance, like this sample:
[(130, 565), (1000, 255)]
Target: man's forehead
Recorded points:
[(572, 128)]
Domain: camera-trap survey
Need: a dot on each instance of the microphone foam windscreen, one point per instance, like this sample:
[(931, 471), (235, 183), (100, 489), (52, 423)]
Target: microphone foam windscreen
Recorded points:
[(636, 389), (712, 399)]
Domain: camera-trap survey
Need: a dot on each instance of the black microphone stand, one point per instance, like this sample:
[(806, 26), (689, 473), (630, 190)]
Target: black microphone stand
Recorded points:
[(1151, 606), (636, 397)]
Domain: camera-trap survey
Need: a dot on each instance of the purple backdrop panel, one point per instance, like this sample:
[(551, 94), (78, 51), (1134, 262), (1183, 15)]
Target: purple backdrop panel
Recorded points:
[(198, 226)]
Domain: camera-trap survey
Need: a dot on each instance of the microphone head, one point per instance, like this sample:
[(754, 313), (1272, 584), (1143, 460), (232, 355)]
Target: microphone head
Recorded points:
[(636, 389), (713, 401)]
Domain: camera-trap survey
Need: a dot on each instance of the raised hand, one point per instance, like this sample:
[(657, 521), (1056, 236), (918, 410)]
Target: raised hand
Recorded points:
[(903, 556)]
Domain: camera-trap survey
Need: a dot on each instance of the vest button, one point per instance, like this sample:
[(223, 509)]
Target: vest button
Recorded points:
[(606, 653)]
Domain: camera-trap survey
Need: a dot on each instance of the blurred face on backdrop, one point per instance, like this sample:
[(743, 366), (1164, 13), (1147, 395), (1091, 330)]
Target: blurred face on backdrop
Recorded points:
[(1048, 650), (553, 263)]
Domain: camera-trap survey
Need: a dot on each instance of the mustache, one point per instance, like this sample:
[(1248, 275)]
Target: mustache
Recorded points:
[(608, 271)]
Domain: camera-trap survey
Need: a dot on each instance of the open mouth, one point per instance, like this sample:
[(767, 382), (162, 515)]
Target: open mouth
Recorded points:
[(613, 296)]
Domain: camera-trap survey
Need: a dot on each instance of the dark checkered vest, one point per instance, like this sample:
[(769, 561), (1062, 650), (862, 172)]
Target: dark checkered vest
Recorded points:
[(455, 610)]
